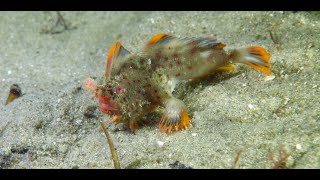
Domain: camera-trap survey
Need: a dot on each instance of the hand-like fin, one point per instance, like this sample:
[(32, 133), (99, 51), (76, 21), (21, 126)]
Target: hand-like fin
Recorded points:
[(175, 116)]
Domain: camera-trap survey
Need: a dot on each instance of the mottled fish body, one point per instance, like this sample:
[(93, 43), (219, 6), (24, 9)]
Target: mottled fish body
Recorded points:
[(136, 84)]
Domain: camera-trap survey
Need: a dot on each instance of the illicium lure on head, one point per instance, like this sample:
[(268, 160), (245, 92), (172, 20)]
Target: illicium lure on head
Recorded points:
[(136, 84)]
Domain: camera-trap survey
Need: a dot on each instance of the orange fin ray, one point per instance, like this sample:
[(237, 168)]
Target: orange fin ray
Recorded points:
[(159, 39), (254, 56), (116, 54), (169, 124), (114, 119), (228, 67), (133, 125)]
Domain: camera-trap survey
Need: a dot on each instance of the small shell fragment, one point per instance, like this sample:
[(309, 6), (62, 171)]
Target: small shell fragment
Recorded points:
[(15, 92), (298, 146), (269, 78), (160, 143)]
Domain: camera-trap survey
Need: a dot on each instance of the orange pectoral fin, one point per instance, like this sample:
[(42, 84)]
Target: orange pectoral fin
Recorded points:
[(185, 120), (168, 124)]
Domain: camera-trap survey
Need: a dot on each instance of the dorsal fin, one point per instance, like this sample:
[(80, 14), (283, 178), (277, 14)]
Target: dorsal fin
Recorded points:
[(203, 43), (116, 54), (159, 39), (206, 43)]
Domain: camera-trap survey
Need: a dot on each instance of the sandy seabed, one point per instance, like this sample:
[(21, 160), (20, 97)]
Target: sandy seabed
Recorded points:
[(262, 124)]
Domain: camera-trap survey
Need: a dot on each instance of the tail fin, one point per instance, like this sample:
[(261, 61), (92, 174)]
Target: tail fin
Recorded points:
[(253, 56)]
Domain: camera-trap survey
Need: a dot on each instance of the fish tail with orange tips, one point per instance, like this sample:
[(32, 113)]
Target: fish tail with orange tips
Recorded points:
[(254, 56)]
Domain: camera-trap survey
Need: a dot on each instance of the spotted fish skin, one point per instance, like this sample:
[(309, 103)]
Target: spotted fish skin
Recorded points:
[(186, 58), (137, 84)]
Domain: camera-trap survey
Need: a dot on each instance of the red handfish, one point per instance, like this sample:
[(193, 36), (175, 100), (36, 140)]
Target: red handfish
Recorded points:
[(137, 84)]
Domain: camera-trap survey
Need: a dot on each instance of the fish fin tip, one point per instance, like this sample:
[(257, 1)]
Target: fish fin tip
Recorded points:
[(228, 67), (109, 60), (116, 53), (169, 124), (254, 56), (133, 125), (175, 117), (116, 119), (157, 39), (117, 48), (261, 52), (220, 45), (121, 52)]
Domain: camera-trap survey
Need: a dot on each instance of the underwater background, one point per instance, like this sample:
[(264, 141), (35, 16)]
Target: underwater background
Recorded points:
[(239, 120)]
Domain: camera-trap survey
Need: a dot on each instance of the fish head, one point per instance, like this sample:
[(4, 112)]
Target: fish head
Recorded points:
[(109, 89), (111, 92), (108, 96)]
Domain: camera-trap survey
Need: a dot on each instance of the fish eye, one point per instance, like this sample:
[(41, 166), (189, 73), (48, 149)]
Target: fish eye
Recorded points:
[(119, 90)]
